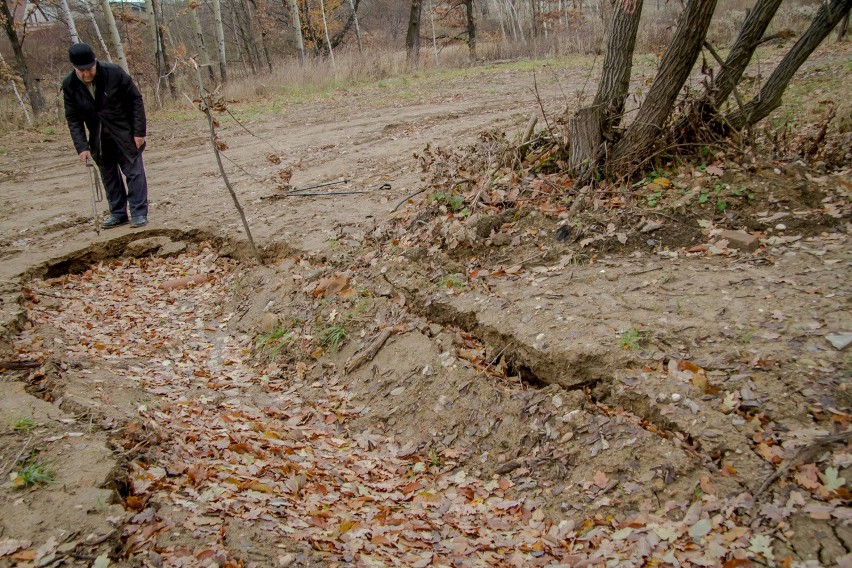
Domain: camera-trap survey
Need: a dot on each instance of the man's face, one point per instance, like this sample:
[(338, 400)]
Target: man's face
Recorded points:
[(86, 75)]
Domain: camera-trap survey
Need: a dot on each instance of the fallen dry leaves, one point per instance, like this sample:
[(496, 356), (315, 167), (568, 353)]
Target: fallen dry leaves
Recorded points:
[(243, 446)]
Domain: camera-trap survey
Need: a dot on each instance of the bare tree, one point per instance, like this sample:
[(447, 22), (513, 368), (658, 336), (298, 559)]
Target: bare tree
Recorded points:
[(828, 16), (69, 21), (91, 16), (357, 27), (598, 144), (591, 125), (412, 38), (116, 38), (220, 40), (198, 37), (327, 38), (471, 28), (33, 93), (297, 29)]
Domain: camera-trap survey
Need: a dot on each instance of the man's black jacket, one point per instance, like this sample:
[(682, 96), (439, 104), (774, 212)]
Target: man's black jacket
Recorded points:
[(117, 108)]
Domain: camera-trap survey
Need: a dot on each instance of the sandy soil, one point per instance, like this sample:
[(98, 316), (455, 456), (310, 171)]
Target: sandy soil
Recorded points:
[(523, 375)]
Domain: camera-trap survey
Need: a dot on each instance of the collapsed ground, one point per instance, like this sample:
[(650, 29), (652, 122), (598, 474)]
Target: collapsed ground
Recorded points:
[(615, 388)]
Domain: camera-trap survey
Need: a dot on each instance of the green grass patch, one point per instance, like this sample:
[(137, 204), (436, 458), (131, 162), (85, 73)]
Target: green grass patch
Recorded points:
[(23, 424), (632, 338), (33, 471), (332, 336)]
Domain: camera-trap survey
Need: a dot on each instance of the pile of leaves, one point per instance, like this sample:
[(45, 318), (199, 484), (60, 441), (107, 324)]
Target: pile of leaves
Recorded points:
[(246, 446)]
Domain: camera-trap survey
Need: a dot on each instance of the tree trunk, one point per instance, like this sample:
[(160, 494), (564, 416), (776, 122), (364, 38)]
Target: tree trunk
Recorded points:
[(501, 22), (33, 93), (5, 71), (412, 38), (97, 29), (116, 39), (162, 47), (434, 37), (533, 19), (69, 20), (327, 37), (471, 28), (599, 120), (198, 37), (674, 71), (747, 41), (617, 64), (828, 16), (297, 29), (841, 29), (239, 39), (357, 27), (220, 40)]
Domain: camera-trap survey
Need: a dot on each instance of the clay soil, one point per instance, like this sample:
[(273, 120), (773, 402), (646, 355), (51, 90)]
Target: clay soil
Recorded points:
[(607, 383)]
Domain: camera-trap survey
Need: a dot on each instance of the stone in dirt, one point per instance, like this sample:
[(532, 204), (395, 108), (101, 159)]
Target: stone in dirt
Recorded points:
[(141, 247), (840, 341), (740, 240), (268, 322), (172, 248)]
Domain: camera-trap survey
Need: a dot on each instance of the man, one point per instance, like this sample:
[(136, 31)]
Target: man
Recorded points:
[(101, 98)]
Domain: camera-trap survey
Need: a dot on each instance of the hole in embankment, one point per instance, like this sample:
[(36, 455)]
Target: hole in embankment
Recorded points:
[(517, 368)]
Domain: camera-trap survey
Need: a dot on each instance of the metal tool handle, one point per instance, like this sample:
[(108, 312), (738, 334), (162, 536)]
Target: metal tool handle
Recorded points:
[(97, 193)]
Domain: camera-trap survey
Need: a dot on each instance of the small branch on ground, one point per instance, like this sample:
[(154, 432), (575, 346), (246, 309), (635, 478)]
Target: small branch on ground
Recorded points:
[(367, 354), (18, 365), (805, 455)]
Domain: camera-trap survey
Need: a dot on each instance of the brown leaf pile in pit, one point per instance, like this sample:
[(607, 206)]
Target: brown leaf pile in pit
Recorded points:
[(294, 468)]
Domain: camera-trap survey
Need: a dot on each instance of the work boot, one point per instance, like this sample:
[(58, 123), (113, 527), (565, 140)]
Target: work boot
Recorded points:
[(113, 221), (137, 222)]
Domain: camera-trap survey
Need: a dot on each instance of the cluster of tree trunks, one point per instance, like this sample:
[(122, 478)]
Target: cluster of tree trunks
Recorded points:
[(598, 146)]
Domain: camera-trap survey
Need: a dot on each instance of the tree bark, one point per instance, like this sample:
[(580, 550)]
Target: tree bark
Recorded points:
[(599, 120), (674, 71), (220, 40), (617, 64), (841, 29), (357, 27), (828, 16), (412, 38), (747, 41), (116, 38), (97, 29), (297, 29), (198, 37), (163, 46), (33, 92), (327, 37), (471, 28), (69, 21)]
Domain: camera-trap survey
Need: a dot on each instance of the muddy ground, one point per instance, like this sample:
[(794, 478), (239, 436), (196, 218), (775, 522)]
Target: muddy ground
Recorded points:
[(602, 372)]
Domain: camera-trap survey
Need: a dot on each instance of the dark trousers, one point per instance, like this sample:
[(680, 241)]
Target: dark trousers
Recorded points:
[(113, 163)]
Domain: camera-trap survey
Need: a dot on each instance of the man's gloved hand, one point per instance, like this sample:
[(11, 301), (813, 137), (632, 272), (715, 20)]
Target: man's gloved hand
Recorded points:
[(85, 157)]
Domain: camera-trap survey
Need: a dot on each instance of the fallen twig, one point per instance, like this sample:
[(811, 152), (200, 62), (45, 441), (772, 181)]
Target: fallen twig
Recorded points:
[(407, 197), (11, 465), (17, 365), (367, 354), (804, 455)]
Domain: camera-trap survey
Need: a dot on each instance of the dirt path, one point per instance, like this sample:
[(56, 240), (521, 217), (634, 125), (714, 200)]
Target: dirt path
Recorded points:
[(368, 136)]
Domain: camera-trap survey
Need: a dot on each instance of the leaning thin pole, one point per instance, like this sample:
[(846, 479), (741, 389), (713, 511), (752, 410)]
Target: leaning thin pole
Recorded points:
[(206, 108)]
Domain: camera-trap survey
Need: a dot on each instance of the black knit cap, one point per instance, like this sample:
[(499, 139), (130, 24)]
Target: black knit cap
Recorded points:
[(81, 55)]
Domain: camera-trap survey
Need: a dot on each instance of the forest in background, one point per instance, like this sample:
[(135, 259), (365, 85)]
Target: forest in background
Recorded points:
[(290, 44)]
